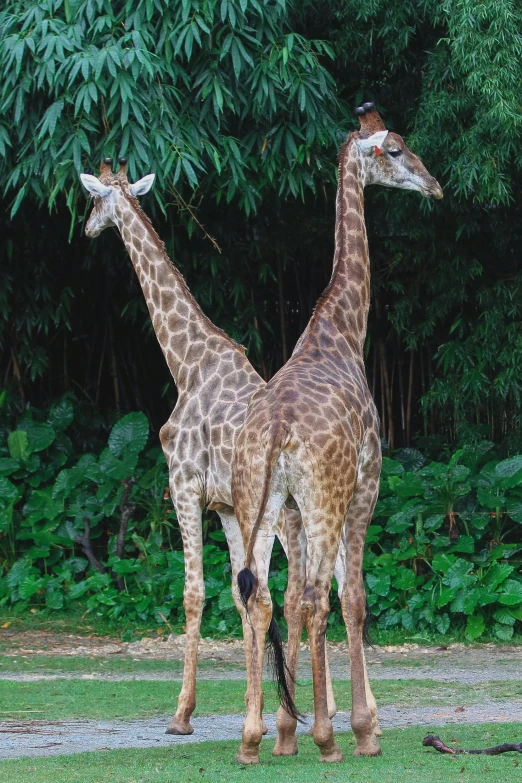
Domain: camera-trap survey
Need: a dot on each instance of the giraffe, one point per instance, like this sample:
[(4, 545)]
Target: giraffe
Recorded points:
[(311, 437), (215, 381)]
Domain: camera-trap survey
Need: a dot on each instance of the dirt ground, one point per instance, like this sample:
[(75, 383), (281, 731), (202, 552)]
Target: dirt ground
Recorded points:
[(456, 662)]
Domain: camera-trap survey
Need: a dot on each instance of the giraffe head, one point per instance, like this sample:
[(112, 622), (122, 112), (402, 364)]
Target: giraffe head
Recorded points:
[(111, 192), (386, 158)]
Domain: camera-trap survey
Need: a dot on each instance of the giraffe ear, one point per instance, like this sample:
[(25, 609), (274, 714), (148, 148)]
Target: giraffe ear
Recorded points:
[(143, 185), (94, 186), (375, 140)]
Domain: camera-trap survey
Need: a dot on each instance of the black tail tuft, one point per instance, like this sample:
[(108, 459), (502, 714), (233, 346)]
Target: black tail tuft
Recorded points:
[(367, 638), (277, 660), (246, 582)]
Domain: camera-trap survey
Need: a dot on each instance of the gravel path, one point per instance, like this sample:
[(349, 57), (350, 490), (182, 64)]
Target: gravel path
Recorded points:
[(42, 738), (446, 674), (456, 663)]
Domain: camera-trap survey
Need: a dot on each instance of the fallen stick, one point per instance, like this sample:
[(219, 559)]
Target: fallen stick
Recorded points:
[(436, 742)]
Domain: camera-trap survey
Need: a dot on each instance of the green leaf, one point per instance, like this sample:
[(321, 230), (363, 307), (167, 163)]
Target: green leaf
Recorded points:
[(503, 632), (40, 435), (496, 574), (411, 459), (511, 593), (379, 584), (8, 491), (397, 523), (19, 571), (475, 627), (390, 467), (8, 466), (457, 573), (510, 471), (446, 595), (225, 600), (122, 567), (18, 444), (129, 435), (54, 599), (490, 497), (404, 579), (443, 562), (504, 616), (442, 623), (411, 486), (61, 414), (433, 522)]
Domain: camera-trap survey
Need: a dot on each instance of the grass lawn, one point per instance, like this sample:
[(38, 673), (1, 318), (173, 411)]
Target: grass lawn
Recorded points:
[(404, 760), (95, 699)]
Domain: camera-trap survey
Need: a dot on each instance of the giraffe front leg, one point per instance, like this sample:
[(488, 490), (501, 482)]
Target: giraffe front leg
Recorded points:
[(189, 519)]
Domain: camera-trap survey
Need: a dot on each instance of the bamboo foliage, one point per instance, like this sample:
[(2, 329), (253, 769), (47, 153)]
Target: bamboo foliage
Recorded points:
[(239, 107)]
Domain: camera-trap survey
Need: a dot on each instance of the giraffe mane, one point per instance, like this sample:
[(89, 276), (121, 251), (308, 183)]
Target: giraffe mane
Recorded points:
[(343, 149), (160, 245)]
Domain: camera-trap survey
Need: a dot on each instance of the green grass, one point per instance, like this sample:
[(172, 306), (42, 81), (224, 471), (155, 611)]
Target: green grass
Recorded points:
[(114, 664), (62, 699), (404, 760)]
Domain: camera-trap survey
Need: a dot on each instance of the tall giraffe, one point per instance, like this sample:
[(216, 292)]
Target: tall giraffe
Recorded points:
[(215, 381), (312, 435)]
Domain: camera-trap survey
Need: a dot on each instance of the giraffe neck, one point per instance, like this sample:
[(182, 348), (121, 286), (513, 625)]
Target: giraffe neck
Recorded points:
[(181, 328), (346, 301)]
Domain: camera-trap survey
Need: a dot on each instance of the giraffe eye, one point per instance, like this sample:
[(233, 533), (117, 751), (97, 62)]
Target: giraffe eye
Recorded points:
[(395, 153)]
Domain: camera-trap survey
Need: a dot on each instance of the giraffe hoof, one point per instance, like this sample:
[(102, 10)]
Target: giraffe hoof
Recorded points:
[(333, 757), (370, 748), (247, 758), (265, 729), (179, 727), (285, 748)]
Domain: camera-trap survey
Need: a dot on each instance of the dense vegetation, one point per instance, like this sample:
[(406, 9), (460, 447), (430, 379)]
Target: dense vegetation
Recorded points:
[(239, 107), (99, 527)]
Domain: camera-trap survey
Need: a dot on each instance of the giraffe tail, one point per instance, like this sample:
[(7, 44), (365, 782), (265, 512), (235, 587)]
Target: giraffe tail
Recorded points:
[(246, 580)]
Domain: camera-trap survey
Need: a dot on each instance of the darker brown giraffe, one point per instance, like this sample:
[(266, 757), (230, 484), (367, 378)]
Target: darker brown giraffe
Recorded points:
[(311, 437), (215, 381)]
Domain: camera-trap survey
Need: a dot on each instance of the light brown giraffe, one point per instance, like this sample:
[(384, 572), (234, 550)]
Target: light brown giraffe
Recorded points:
[(312, 435), (215, 381)]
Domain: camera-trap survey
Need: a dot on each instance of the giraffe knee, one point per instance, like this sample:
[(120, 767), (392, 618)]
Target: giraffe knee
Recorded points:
[(354, 608), (193, 598)]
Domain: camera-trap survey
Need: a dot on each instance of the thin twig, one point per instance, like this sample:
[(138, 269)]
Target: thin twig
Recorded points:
[(182, 204), (435, 742)]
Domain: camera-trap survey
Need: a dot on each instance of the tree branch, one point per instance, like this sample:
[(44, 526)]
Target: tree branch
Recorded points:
[(126, 510), (436, 742), (85, 542)]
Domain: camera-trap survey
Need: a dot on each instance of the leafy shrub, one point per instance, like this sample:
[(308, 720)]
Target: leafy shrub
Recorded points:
[(441, 546), (98, 527)]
